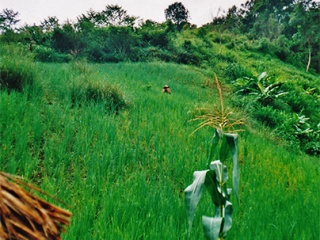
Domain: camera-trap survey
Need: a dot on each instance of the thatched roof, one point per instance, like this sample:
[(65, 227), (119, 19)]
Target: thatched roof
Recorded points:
[(25, 216)]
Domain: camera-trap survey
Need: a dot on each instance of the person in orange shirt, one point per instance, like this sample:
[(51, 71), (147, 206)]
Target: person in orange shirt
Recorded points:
[(166, 89)]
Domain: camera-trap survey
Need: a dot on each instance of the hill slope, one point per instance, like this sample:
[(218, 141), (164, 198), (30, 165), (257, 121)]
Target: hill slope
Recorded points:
[(122, 173)]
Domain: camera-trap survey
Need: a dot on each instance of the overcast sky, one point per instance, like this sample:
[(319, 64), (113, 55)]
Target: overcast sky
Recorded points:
[(34, 11)]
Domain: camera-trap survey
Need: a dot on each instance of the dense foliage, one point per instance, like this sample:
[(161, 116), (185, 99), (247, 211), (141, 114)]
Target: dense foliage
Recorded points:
[(285, 29)]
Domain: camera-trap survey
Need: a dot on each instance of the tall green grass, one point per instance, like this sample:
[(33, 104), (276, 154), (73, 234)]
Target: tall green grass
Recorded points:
[(17, 70), (123, 175)]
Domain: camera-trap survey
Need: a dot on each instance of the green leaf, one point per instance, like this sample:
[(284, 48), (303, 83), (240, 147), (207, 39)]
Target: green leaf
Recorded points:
[(227, 220), (211, 227), (232, 140), (218, 195), (214, 145), (220, 170), (259, 82), (224, 150), (193, 194), (262, 76)]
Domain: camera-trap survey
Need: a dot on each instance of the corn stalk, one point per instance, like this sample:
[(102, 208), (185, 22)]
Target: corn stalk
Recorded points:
[(215, 178)]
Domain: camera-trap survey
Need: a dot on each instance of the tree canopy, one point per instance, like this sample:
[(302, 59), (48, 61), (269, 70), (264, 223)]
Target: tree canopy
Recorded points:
[(177, 13), (8, 18)]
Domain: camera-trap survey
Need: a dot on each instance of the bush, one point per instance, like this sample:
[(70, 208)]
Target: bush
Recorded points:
[(17, 70), (155, 53), (271, 117), (99, 93), (87, 88), (312, 148), (235, 71), (185, 57), (46, 54), (282, 50), (300, 99), (266, 46)]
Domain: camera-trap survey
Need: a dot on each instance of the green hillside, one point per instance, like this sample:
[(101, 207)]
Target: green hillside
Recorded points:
[(83, 117), (105, 140)]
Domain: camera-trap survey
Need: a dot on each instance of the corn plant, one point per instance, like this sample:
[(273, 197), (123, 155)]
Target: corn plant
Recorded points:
[(215, 178)]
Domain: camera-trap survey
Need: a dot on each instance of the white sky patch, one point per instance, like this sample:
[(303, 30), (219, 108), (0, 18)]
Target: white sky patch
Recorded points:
[(34, 11)]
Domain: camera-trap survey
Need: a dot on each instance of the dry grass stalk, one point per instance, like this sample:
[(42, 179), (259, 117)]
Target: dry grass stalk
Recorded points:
[(218, 117), (25, 216)]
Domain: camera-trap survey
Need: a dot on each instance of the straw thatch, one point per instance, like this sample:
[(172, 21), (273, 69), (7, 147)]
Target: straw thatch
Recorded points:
[(25, 216)]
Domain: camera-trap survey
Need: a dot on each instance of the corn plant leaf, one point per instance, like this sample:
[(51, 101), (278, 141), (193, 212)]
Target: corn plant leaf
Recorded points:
[(224, 150), (218, 195), (193, 194), (217, 211), (214, 146), (220, 170), (227, 220), (232, 140), (211, 227)]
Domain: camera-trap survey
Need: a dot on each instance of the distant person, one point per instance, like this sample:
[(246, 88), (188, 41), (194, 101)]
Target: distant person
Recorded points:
[(166, 89)]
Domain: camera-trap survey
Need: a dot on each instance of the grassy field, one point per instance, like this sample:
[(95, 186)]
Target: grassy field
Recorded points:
[(123, 173)]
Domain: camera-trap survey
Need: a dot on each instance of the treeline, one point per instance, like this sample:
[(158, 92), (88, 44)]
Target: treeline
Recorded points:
[(290, 27), (286, 29)]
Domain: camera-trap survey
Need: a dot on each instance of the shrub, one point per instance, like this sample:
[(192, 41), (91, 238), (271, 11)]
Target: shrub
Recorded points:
[(312, 148), (95, 53), (265, 45), (220, 38), (17, 69), (46, 54), (99, 93), (282, 46), (187, 53), (155, 53), (87, 88), (308, 135), (268, 116), (235, 71), (301, 98), (185, 57)]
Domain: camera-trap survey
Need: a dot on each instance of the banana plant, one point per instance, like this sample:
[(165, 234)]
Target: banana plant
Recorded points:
[(263, 87)]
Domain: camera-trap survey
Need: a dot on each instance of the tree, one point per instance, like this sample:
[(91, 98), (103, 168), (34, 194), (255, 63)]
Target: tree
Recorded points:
[(305, 18), (267, 16), (8, 18), (154, 34), (87, 23), (114, 15), (49, 24), (66, 39), (31, 35), (177, 13), (120, 43), (231, 21)]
